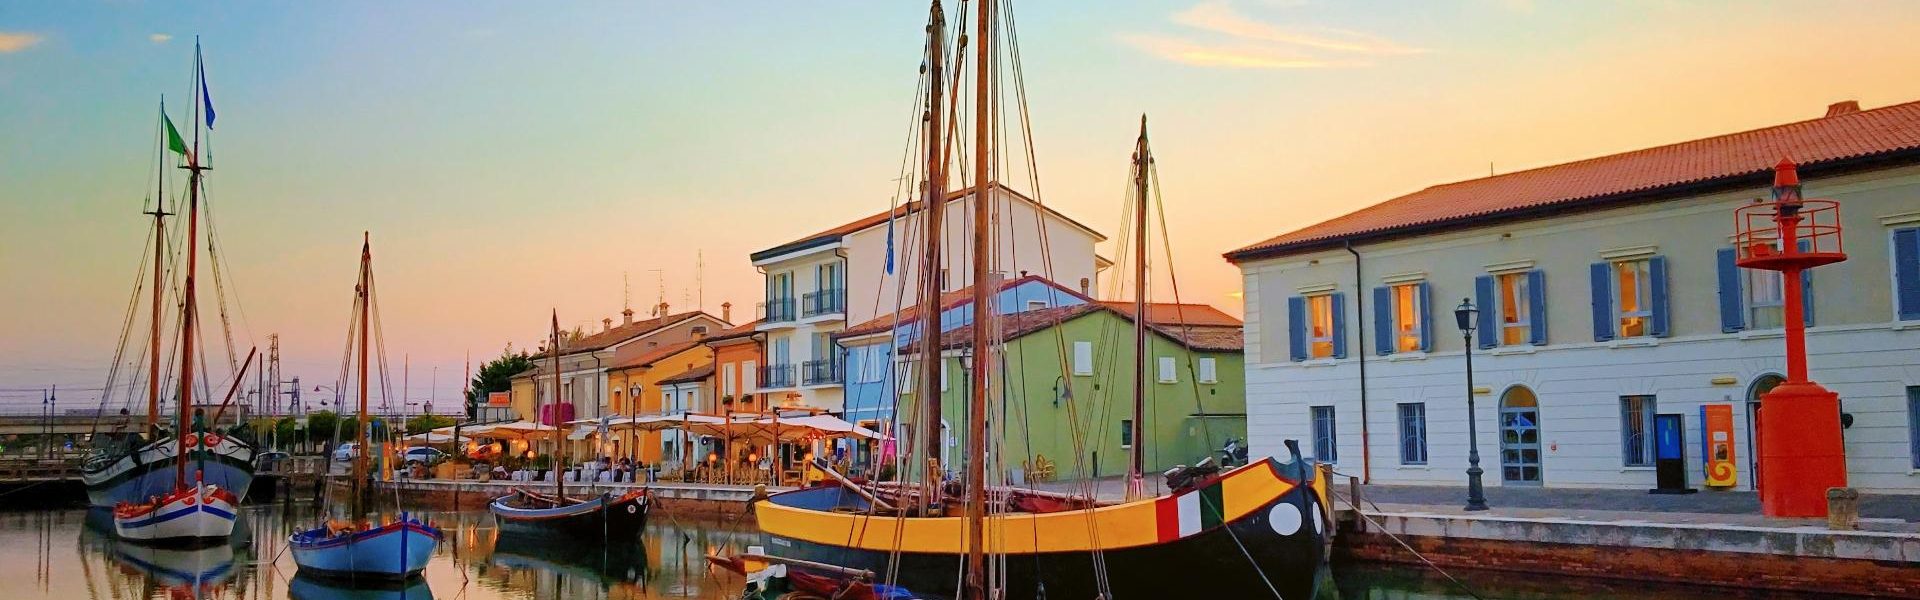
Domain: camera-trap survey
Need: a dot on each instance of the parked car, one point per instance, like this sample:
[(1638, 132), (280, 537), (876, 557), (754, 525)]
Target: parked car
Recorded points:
[(346, 451), (425, 456), (266, 461)]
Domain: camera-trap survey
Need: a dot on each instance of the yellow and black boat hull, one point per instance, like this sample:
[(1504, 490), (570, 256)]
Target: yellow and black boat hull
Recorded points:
[(1254, 532)]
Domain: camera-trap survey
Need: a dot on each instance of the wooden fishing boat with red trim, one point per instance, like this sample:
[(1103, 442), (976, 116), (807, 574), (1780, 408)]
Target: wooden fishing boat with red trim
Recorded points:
[(203, 513), (606, 517)]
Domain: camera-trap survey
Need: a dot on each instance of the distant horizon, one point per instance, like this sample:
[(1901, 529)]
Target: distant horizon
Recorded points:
[(509, 161)]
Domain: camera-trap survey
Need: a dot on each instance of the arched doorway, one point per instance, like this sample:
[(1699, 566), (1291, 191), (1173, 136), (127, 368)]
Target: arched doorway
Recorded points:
[(1761, 385), (1520, 437)]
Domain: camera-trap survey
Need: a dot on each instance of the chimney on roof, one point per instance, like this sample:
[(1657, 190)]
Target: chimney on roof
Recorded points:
[(663, 309), (1843, 107), (606, 324), (626, 317), (726, 312)]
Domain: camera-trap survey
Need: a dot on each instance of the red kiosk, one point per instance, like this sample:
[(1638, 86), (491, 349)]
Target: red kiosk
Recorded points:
[(1800, 448)]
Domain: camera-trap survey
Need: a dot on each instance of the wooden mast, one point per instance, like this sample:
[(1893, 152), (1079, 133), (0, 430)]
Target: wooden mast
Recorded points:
[(160, 214), (189, 306), (933, 210), (1136, 462), (982, 313), (365, 290), (559, 479)]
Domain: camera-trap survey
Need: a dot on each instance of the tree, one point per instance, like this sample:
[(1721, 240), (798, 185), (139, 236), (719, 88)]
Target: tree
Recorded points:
[(323, 426), (495, 376), (427, 423)]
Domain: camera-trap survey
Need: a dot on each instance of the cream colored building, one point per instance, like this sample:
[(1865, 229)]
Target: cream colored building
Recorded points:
[(816, 284), (1607, 296)]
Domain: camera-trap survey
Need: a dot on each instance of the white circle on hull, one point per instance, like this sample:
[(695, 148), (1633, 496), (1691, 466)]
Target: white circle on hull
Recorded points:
[(1319, 524), (1284, 518)]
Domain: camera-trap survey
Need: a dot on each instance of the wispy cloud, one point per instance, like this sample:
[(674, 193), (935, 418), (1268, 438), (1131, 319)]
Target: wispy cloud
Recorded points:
[(1219, 16), (160, 38), (1230, 39), (13, 41), (1231, 55)]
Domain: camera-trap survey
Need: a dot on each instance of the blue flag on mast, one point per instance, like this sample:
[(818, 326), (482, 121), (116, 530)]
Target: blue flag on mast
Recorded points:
[(206, 98)]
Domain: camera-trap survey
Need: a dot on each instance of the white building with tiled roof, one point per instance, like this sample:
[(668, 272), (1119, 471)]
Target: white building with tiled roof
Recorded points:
[(1608, 295)]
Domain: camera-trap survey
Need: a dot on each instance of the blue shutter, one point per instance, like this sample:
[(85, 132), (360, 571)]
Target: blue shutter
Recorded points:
[(1423, 293), (1339, 302), (1906, 273), (1383, 329), (1537, 307), (1297, 328), (1806, 287), (1483, 296), (1657, 270), (1602, 275), (1732, 305)]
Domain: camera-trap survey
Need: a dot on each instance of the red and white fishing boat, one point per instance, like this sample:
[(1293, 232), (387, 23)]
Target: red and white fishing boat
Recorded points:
[(201, 512)]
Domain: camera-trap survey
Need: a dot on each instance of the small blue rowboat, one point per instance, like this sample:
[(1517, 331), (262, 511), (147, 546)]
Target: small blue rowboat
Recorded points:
[(395, 551)]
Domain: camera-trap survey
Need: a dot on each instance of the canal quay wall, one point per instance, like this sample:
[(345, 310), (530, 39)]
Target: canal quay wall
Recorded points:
[(1703, 549), (674, 499)]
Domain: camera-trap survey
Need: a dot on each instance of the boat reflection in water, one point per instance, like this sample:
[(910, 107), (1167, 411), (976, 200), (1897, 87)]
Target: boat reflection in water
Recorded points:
[(616, 566), (198, 572), (314, 588)]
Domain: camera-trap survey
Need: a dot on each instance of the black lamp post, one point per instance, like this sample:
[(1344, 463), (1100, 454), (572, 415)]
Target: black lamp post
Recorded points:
[(1466, 316)]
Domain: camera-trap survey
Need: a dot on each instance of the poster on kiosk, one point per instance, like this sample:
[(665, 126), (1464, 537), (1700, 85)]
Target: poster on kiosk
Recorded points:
[(1716, 445)]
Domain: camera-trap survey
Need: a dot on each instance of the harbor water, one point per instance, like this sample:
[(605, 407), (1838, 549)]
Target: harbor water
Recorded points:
[(68, 554)]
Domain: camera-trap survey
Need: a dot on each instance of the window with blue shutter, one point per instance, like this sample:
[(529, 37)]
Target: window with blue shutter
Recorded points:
[(1297, 328), (1657, 295), (1384, 328), (1339, 302), (1906, 273), (1601, 276), (1424, 294), (1483, 296), (1537, 307), (1732, 310)]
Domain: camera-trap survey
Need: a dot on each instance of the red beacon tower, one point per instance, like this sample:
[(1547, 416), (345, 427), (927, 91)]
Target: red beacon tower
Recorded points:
[(1800, 448)]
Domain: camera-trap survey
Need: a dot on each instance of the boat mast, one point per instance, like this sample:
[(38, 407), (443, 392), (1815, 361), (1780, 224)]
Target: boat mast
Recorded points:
[(933, 209), (559, 480), (982, 313), (160, 214), (365, 291), (189, 305), (1136, 463)]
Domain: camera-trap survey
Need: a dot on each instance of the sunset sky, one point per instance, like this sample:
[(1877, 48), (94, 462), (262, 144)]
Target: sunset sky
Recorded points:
[(512, 157)]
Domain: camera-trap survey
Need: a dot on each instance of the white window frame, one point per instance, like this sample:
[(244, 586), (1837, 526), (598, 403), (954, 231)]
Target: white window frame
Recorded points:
[(1036, 304), (1315, 341), (1166, 371), (1522, 299), (1401, 331), (1643, 288), (1209, 370), (727, 373), (1083, 358)]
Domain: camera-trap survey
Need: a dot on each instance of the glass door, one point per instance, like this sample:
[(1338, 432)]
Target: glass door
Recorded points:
[(1520, 438)]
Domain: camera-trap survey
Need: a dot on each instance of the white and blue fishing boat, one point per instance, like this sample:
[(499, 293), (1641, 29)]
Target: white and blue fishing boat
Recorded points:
[(394, 551), (356, 549), (131, 466)]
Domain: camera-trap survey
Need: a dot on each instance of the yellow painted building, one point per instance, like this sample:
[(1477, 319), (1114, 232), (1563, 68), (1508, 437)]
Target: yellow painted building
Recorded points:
[(639, 378)]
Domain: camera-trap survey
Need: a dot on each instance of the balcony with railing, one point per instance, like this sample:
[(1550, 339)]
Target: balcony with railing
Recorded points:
[(823, 302), (831, 371), (776, 376), (780, 310)]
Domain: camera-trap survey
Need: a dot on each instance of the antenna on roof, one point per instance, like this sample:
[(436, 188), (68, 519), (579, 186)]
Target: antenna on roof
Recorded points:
[(660, 282), (626, 291), (1489, 168), (700, 279)]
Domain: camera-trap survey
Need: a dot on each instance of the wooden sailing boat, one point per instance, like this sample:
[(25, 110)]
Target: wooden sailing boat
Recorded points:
[(1252, 532), (193, 510), (357, 549), (605, 517), (134, 468)]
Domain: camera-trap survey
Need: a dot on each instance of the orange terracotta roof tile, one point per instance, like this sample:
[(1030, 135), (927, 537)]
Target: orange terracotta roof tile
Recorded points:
[(1844, 139), (1168, 313), (1209, 338), (623, 333), (692, 375), (658, 354)]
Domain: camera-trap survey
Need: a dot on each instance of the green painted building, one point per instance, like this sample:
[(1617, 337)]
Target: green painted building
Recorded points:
[(1068, 389)]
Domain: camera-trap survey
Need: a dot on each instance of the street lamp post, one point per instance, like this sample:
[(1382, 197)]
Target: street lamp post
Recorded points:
[(1466, 316)]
